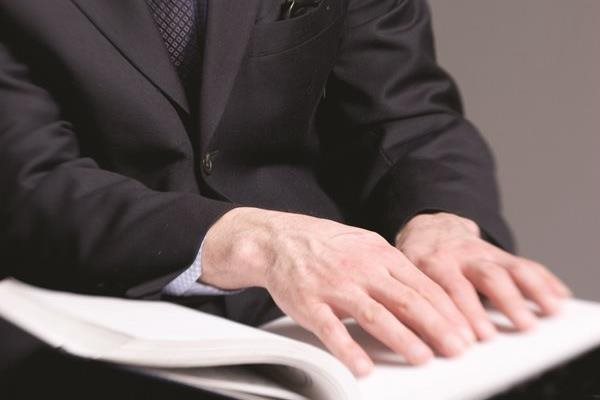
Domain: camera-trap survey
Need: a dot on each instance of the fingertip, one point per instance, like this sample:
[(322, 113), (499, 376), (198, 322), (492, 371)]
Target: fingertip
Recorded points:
[(453, 345), (362, 367), (525, 320), (419, 355), (468, 335), (564, 291), (557, 285), (551, 305), (486, 330)]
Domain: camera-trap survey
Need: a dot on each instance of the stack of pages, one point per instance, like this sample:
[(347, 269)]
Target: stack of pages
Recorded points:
[(281, 360)]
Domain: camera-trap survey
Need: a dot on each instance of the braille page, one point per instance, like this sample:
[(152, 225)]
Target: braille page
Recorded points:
[(485, 369)]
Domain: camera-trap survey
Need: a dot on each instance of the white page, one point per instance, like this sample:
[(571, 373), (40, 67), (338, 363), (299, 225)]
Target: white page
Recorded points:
[(150, 320), (483, 370), (239, 382), (162, 335)]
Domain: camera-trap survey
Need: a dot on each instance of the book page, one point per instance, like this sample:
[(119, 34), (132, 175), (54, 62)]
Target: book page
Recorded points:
[(157, 335), (484, 370), (239, 382), (149, 320)]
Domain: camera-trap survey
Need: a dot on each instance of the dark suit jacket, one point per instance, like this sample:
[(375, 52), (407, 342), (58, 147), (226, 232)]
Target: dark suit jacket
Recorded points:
[(109, 179)]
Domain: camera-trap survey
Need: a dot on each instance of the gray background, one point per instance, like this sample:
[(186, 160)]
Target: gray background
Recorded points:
[(529, 75)]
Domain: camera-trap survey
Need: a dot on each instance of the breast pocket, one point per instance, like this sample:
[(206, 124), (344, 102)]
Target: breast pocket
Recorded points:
[(281, 35)]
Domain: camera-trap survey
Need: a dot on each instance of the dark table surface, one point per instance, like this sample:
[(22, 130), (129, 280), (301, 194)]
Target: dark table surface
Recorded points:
[(31, 370)]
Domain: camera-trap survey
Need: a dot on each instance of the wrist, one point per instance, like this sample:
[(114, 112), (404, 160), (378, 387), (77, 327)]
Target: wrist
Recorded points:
[(437, 220), (234, 255)]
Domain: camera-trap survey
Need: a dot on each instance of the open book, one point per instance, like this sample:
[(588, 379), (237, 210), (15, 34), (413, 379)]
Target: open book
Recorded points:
[(281, 360)]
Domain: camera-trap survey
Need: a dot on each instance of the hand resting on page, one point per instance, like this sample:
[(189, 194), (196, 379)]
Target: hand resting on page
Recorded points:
[(418, 298)]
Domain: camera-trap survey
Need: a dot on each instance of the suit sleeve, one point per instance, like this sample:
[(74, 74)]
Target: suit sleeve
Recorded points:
[(66, 223), (394, 136)]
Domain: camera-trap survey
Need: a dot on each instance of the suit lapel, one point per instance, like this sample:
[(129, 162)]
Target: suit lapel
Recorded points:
[(229, 24), (128, 25)]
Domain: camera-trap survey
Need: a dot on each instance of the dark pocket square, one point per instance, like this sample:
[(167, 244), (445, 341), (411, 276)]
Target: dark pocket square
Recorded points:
[(279, 35)]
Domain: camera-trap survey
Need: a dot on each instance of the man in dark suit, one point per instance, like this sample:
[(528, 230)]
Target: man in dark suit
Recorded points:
[(311, 149)]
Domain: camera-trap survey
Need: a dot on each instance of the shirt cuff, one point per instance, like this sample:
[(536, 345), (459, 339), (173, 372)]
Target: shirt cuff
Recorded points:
[(187, 284)]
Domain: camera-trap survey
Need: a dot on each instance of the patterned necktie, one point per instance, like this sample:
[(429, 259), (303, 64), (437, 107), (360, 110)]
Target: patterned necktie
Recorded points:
[(180, 23)]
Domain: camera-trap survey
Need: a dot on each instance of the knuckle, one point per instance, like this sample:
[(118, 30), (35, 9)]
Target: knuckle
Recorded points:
[(375, 237), (370, 314), (370, 238), (459, 289), (430, 261), (405, 303), (490, 274), (439, 293), (471, 225), (326, 328), (535, 265), (392, 253), (525, 272), (520, 262), (473, 248)]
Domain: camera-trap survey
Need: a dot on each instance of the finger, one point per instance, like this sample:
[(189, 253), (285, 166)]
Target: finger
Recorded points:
[(558, 287), (534, 281), (430, 289), (416, 313), (464, 295), (375, 319), (533, 285), (494, 282), (334, 335)]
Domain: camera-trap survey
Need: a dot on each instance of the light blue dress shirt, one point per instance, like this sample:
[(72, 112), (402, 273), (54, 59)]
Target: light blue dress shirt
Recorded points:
[(187, 283)]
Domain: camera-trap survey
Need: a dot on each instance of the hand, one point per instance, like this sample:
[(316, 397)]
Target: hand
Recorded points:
[(319, 271), (449, 250)]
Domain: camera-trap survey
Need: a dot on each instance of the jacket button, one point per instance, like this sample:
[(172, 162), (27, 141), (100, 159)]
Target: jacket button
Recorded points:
[(208, 163)]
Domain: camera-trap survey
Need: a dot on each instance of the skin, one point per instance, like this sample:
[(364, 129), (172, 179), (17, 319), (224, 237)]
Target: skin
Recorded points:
[(419, 297)]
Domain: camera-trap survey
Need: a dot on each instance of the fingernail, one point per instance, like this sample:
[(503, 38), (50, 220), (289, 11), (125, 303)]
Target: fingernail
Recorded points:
[(454, 345), (486, 330), (525, 320), (362, 367), (419, 354)]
